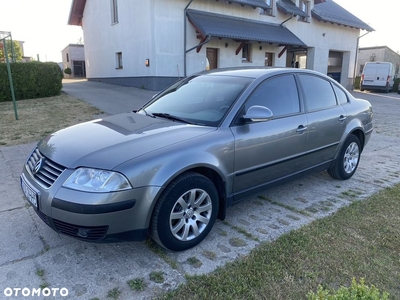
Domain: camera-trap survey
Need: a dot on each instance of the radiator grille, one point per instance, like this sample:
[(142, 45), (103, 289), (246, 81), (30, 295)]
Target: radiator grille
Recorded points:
[(44, 171)]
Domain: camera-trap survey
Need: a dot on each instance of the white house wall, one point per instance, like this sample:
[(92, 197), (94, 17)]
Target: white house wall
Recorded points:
[(131, 36), (326, 37), (154, 30), (168, 38)]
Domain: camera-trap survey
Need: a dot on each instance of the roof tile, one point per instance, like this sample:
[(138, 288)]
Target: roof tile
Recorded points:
[(331, 12)]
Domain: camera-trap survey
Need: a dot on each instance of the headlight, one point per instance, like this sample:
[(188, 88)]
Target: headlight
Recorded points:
[(99, 181)]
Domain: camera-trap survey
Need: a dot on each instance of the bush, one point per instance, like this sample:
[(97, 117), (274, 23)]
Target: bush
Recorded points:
[(31, 80), (68, 71), (357, 82), (357, 291), (396, 85)]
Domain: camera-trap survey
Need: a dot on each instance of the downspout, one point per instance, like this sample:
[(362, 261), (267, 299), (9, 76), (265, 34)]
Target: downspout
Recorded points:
[(356, 58), (291, 17), (184, 37)]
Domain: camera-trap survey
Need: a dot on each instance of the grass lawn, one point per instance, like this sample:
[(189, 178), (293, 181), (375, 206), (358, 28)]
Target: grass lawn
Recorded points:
[(359, 241), (40, 117)]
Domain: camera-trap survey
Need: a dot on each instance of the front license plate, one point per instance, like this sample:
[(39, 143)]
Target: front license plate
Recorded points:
[(29, 193)]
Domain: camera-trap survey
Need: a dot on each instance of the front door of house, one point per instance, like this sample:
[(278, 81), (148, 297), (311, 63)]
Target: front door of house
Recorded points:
[(212, 56)]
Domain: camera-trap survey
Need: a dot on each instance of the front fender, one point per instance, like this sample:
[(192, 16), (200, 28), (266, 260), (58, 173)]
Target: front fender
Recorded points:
[(158, 168)]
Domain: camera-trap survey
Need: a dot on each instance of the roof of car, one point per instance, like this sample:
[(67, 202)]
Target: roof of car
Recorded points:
[(254, 72)]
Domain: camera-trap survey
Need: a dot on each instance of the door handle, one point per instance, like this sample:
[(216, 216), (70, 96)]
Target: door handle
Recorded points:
[(301, 129), (342, 118)]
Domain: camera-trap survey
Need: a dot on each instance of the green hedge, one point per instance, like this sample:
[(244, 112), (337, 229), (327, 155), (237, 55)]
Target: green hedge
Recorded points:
[(396, 84), (31, 80), (357, 83), (357, 291)]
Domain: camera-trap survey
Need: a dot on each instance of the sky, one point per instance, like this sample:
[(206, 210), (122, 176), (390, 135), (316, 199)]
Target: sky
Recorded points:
[(382, 15), (42, 24)]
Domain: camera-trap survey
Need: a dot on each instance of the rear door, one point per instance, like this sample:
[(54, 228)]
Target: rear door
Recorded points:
[(267, 151), (326, 119)]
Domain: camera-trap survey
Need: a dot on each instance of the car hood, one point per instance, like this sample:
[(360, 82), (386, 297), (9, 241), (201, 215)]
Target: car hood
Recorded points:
[(106, 143)]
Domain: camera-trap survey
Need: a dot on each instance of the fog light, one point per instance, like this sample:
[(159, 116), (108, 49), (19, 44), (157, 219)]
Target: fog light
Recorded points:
[(83, 232)]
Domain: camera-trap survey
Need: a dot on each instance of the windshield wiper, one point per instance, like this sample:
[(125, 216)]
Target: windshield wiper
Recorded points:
[(147, 113), (171, 117)]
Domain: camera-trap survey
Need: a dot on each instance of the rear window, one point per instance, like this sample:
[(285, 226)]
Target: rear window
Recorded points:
[(340, 95), (318, 91)]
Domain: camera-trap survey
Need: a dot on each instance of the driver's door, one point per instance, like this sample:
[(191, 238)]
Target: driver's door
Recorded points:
[(270, 150)]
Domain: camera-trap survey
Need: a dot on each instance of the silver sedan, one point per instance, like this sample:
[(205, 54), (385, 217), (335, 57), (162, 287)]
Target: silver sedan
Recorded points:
[(170, 169)]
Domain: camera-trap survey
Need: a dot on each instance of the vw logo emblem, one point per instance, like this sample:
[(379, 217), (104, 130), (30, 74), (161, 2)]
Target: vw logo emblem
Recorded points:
[(38, 165)]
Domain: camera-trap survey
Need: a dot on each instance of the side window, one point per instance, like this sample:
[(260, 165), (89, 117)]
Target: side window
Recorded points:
[(340, 95), (279, 94), (118, 58), (318, 91), (114, 12), (246, 52)]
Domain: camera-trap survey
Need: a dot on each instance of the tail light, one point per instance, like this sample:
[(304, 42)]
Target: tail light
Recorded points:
[(388, 79), (362, 77)]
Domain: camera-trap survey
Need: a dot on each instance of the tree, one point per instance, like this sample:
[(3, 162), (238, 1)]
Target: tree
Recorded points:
[(17, 51)]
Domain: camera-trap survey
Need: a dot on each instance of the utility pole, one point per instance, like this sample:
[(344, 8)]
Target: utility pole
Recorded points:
[(3, 36)]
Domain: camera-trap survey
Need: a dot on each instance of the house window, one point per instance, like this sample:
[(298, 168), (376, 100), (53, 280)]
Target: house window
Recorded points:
[(67, 57), (246, 53), (268, 59), (114, 12), (305, 7), (269, 12), (118, 57)]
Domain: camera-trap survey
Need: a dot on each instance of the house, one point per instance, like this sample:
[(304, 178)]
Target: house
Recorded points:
[(378, 53), (152, 43), (73, 57)]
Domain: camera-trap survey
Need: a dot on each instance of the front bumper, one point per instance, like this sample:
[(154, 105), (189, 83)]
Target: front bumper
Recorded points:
[(93, 217)]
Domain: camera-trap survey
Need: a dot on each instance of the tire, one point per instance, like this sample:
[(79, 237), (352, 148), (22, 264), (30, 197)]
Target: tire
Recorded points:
[(347, 161), (185, 212), (387, 89)]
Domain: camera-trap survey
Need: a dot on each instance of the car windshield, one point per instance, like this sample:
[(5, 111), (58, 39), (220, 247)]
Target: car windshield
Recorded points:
[(202, 100)]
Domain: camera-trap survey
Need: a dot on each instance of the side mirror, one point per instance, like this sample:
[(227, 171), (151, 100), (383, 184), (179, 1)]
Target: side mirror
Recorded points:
[(257, 113)]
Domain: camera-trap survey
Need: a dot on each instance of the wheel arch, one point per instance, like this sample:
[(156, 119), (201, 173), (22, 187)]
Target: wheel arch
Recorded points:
[(360, 135), (208, 172), (220, 186)]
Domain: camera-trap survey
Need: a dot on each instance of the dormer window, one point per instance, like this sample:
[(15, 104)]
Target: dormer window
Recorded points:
[(270, 11), (305, 7)]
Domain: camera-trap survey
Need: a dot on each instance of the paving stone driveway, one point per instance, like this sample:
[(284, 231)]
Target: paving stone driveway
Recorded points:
[(33, 256)]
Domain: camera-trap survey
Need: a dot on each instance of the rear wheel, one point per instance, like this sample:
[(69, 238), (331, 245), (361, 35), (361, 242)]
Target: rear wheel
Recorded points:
[(185, 212), (347, 162)]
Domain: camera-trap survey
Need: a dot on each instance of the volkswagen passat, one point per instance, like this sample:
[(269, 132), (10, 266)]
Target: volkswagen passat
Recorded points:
[(171, 168)]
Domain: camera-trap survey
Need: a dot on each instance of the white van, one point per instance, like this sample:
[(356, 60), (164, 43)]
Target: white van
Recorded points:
[(378, 76)]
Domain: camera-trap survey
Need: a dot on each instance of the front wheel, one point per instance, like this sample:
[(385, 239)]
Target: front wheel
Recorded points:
[(185, 212), (347, 161)]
